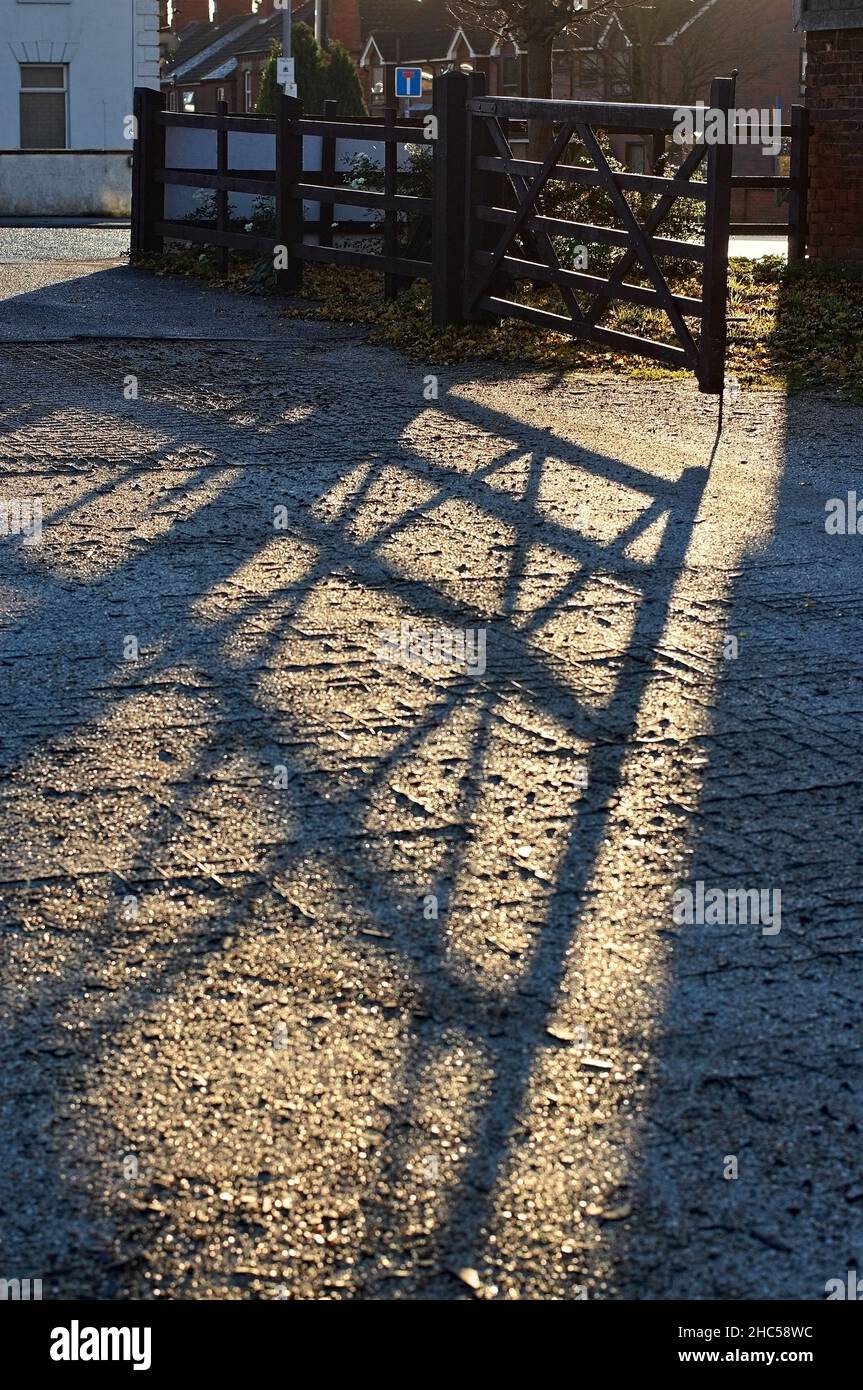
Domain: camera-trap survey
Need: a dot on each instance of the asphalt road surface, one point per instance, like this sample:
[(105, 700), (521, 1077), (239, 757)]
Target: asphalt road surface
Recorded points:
[(328, 971)]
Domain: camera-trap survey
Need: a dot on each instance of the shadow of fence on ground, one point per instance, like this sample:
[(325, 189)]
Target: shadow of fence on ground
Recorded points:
[(366, 505)]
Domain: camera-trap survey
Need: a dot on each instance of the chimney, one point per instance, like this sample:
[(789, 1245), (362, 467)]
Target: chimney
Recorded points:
[(345, 26), (190, 12), (231, 9)]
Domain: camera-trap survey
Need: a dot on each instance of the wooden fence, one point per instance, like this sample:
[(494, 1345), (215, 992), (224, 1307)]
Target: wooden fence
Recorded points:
[(797, 131), (290, 184), (484, 224)]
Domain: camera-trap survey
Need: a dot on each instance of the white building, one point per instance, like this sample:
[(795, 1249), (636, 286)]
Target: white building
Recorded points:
[(67, 70)]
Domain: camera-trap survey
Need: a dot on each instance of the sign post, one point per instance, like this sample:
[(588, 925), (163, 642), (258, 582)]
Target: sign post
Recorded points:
[(286, 63)]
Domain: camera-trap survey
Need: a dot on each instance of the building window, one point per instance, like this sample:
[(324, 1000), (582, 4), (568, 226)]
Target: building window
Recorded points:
[(619, 77), (511, 77), (588, 70), (247, 88), (220, 94), (43, 106), (562, 74), (634, 157)]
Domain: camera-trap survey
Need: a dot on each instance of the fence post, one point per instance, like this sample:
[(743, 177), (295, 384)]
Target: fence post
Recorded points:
[(326, 211), (714, 323), (391, 217), (449, 198), (798, 210), (222, 205), (148, 197), (487, 190), (136, 231), (289, 206)]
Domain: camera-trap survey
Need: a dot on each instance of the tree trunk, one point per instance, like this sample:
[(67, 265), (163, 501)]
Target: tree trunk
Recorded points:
[(539, 84)]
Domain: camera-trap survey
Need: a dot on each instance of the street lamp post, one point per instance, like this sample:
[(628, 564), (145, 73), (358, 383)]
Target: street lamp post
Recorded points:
[(286, 30), (287, 79)]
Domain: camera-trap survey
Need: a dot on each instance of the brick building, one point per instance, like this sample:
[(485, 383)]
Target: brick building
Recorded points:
[(834, 95), (759, 39), (208, 61)]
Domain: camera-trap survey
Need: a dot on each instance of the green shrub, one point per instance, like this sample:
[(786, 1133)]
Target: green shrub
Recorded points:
[(342, 81), (321, 75)]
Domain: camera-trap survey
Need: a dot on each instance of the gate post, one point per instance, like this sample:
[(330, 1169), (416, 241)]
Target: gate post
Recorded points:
[(714, 323), (148, 197), (484, 189), (222, 198), (289, 208), (799, 199), (449, 199)]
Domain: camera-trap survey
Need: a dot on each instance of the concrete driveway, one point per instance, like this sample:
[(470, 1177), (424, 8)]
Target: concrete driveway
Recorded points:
[(332, 971)]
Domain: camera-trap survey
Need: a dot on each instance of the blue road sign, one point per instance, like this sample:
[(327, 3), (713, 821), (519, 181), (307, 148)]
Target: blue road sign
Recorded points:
[(409, 82)]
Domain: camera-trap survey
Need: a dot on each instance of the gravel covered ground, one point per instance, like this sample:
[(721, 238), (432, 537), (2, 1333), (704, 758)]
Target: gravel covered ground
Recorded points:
[(19, 243), (325, 975)]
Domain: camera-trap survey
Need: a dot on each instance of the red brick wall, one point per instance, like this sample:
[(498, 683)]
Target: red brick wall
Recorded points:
[(834, 95)]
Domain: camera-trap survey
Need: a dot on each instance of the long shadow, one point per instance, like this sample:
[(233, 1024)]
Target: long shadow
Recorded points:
[(160, 587), (747, 1182)]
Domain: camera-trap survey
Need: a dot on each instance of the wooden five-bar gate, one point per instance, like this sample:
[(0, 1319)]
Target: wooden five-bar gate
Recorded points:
[(502, 204), (485, 227)]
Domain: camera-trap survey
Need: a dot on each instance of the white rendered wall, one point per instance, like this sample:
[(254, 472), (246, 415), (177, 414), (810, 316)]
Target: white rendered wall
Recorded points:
[(110, 47)]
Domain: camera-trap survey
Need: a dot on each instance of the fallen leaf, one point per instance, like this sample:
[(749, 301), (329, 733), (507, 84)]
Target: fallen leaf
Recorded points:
[(596, 1064)]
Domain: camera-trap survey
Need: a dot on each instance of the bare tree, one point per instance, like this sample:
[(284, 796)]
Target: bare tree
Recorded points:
[(638, 66), (535, 25), (731, 35), (647, 27)]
